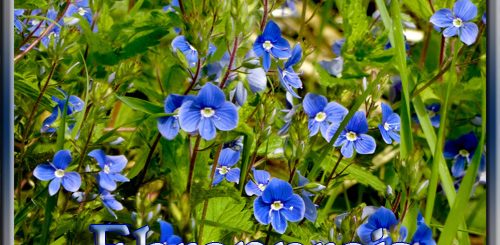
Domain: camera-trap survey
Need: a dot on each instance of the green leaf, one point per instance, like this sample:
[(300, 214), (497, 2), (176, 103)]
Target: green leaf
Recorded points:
[(141, 105)]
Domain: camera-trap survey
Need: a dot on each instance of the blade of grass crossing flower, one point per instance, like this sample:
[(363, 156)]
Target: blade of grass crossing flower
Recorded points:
[(464, 192), (248, 139)]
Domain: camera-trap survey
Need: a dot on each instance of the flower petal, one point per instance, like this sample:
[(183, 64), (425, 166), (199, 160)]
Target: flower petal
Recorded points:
[(257, 79), (233, 175), (62, 159), (210, 96), (261, 176), (311, 212), (166, 231), (335, 112), (173, 102), (106, 182), (457, 170), (266, 61), (49, 120), (450, 31), (261, 211), (314, 103), (313, 127), (228, 157), (385, 134), (365, 144), (358, 123), (277, 190), (226, 117), (217, 178), (99, 156), (296, 56), (294, 208), (271, 31), (71, 181), (468, 33), (252, 189), (116, 163), (189, 116), (54, 186), (442, 18), (278, 222), (207, 129), (168, 127), (347, 149), (465, 10), (44, 172), (76, 104)]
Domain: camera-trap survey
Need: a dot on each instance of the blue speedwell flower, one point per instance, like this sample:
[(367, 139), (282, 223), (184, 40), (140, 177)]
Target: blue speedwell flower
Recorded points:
[(288, 78), (434, 116), (390, 125), (167, 236), (335, 66), (75, 104), (56, 172), (207, 111), (321, 113), (461, 150), (111, 168), (78, 7), (224, 170), (354, 136), (311, 212), (278, 204), (191, 54), (258, 184), (378, 227), (271, 43), (423, 234), (18, 24), (169, 125), (110, 202), (458, 22)]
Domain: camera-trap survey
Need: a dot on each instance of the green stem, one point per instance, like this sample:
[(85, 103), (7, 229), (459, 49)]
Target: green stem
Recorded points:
[(205, 203)]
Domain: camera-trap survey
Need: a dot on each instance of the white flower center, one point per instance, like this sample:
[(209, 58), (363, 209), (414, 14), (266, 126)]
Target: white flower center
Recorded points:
[(82, 11), (457, 22), (277, 205), (380, 233), (207, 112), (320, 116), (464, 153), (223, 170), (35, 22), (351, 136), (387, 126), (106, 169), (59, 173), (262, 187), (267, 45)]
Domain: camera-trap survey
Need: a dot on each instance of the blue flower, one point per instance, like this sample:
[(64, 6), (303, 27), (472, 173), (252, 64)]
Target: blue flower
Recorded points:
[(18, 23), (75, 104), (288, 78), (271, 43), (423, 234), (334, 67), (290, 111), (458, 22), (111, 168), (78, 7), (109, 201), (311, 212), (170, 7), (287, 9), (337, 47), (239, 94), (390, 125), (277, 205), (224, 170), (191, 54), (354, 136), (395, 90), (321, 113), (432, 110), (169, 125), (483, 18), (258, 184), (207, 111), (461, 150), (56, 172), (378, 227), (167, 236)]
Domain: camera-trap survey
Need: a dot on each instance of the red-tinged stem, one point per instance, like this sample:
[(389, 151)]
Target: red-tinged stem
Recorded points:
[(194, 78), (192, 163), (44, 33), (231, 61), (264, 16)]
